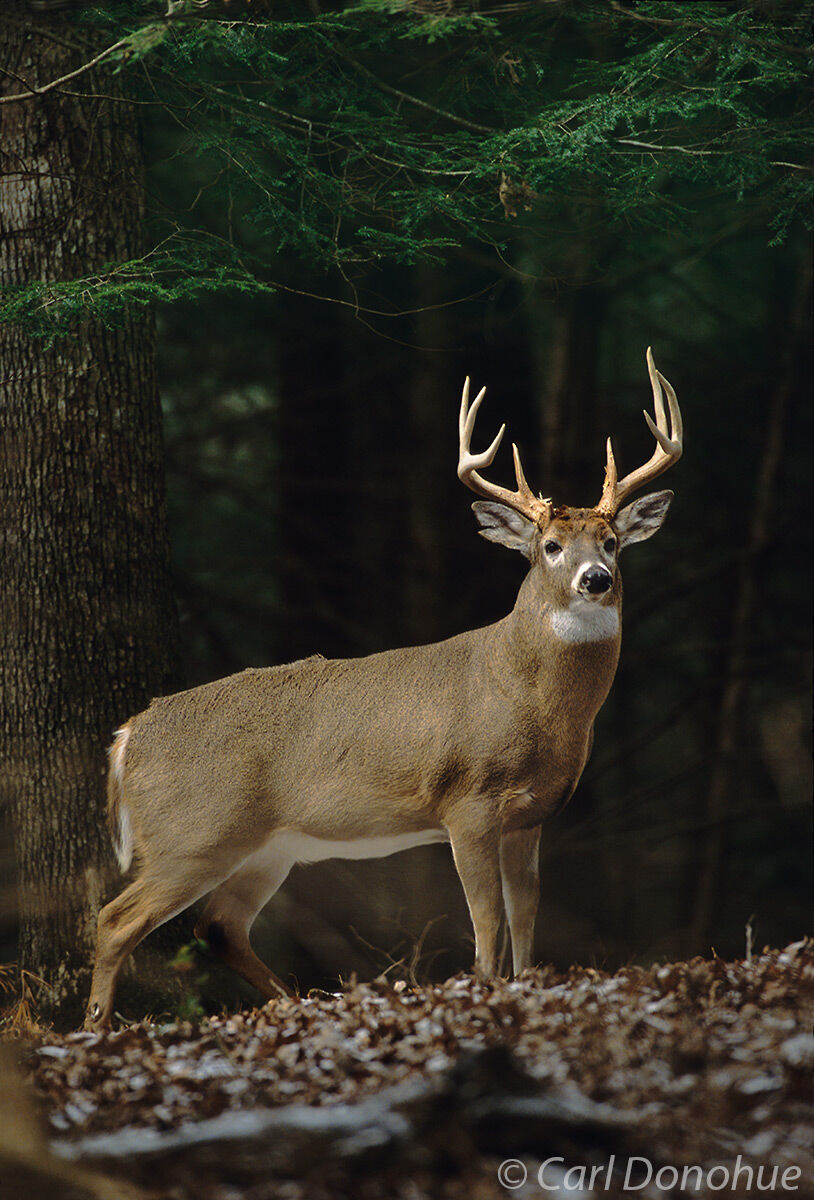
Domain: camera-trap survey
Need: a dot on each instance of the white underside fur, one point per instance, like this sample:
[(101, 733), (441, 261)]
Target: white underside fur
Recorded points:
[(585, 621), (303, 848), (266, 869)]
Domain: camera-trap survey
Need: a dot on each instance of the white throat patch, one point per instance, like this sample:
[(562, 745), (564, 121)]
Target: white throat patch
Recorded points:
[(584, 621)]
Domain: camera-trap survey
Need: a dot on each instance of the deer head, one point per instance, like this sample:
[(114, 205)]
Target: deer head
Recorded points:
[(574, 551)]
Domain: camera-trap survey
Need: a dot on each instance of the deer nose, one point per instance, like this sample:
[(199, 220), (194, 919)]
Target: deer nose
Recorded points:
[(596, 580)]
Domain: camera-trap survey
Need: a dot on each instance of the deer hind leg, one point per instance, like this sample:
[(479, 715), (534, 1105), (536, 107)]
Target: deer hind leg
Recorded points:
[(229, 915), (477, 862), (520, 873), (147, 903)]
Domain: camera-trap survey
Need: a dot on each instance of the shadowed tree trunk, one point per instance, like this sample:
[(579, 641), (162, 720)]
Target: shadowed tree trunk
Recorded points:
[(430, 467), (568, 363), (87, 622), (729, 733), (313, 482)]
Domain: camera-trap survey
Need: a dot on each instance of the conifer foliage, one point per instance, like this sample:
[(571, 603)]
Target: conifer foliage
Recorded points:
[(395, 130)]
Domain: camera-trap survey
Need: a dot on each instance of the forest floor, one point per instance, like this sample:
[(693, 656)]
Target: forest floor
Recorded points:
[(694, 1072)]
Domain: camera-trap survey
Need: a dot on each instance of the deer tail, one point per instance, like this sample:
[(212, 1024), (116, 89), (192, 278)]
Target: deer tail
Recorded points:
[(118, 816)]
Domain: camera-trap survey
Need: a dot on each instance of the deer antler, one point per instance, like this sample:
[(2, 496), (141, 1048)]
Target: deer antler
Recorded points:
[(523, 500), (668, 448)]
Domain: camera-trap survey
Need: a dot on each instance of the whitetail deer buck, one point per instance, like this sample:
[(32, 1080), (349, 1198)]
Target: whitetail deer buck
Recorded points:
[(474, 740)]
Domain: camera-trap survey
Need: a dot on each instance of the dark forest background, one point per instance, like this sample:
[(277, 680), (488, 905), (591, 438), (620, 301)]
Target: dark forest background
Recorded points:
[(310, 425), (314, 507)]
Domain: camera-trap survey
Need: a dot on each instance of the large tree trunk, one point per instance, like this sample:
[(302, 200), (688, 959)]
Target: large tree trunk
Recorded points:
[(87, 623)]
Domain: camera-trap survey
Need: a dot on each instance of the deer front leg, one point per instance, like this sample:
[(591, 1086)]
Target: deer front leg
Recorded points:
[(477, 860), (520, 872)]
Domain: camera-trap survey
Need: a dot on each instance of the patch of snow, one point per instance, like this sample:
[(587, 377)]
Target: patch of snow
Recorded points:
[(798, 1051)]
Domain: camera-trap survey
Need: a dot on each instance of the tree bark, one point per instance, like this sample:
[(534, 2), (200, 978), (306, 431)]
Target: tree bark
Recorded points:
[(87, 620)]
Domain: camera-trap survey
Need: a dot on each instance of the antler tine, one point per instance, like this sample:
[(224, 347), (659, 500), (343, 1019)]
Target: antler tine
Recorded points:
[(523, 500), (669, 447), (466, 426), (522, 484), (608, 499), (659, 431)]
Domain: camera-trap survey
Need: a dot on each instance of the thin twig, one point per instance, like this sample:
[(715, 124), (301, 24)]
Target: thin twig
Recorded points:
[(34, 90), (416, 100), (706, 153)]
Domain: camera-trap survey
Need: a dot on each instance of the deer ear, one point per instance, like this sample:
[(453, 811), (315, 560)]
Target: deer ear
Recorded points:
[(641, 519), (501, 524)]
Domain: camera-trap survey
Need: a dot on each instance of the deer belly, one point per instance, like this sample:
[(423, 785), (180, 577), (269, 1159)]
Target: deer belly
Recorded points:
[(303, 848)]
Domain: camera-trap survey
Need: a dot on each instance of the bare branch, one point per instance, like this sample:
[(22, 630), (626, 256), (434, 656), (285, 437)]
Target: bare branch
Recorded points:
[(34, 90), (693, 150)]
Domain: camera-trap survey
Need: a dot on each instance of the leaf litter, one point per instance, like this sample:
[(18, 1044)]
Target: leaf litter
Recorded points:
[(687, 1062)]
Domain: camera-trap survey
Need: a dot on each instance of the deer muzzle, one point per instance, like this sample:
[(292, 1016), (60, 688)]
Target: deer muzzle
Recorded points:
[(593, 579)]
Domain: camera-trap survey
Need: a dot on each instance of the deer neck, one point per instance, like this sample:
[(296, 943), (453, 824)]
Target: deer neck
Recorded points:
[(567, 655)]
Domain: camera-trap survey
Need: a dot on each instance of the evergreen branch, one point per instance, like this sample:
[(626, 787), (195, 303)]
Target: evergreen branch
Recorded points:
[(684, 23), (307, 125), (651, 20), (390, 162)]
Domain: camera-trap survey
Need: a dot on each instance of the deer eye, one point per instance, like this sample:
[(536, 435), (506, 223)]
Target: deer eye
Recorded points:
[(551, 547), (610, 545)]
